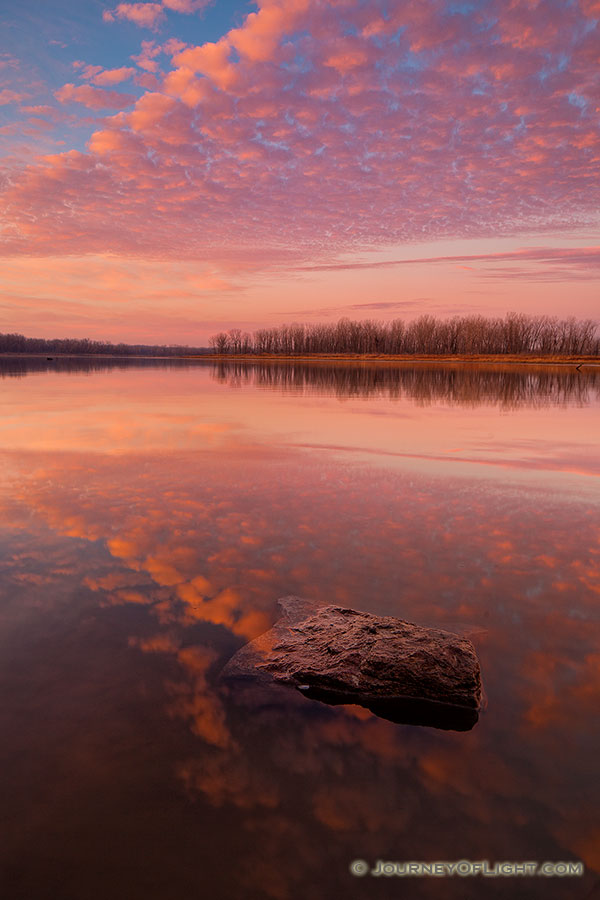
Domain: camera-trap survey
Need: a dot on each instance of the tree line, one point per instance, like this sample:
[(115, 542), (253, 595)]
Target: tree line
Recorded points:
[(515, 333), (18, 343)]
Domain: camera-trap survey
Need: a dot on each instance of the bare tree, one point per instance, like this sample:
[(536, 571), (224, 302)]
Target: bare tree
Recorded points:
[(516, 333), (235, 340), (220, 343)]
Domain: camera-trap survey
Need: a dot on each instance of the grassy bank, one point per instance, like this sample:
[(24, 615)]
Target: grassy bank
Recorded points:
[(422, 358)]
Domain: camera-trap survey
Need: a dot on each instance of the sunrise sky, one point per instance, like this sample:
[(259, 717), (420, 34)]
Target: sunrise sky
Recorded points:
[(176, 167)]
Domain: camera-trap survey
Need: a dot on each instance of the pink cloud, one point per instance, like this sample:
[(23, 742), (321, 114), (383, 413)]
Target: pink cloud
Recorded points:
[(104, 77), (7, 96), (259, 36), (584, 258), (87, 71), (183, 84), (147, 58), (147, 80), (147, 15), (185, 6), (8, 61), (347, 54), (212, 60), (150, 111), (94, 98), (42, 110), (315, 129), (150, 15), (109, 77), (173, 46)]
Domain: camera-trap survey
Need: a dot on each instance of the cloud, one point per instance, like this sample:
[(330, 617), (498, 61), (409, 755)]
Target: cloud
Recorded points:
[(393, 304), (585, 259), (314, 130), (8, 61), (7, 96), (43, 110), (259, 37), (147, 15), (108, 77), (151, 15), (212, 60), (146, 59), (185, 6), (94, 98), (380, 305)]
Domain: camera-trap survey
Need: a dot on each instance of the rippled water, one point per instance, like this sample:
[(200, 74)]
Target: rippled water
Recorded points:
[(152, 515)]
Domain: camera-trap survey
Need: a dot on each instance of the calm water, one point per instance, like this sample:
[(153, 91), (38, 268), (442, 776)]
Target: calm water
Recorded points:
[(154, 513)]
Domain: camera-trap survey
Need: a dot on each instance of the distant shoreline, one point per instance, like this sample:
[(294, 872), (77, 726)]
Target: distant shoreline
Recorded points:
[(328, 357), (405, 358)]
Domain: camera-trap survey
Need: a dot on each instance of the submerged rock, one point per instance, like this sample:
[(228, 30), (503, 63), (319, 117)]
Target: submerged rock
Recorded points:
[(400, 671)]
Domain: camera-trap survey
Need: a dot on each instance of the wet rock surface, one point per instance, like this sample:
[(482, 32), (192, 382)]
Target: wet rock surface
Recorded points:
[(398, 670)]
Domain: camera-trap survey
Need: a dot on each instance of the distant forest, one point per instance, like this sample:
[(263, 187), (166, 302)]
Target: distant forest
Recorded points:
[(515, 333), (18, 343)]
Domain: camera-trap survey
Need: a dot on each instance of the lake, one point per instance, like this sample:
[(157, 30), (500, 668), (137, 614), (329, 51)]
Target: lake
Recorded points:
[(154, 512)]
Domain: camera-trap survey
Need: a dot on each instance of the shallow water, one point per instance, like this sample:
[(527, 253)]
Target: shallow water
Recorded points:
[(152, 515)]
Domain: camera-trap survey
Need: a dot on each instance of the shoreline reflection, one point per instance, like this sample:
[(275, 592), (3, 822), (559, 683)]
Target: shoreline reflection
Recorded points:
[(509, 386)]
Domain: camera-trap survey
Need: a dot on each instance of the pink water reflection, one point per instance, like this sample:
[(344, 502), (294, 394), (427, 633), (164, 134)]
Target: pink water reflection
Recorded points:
[(183, 538), (528, 418)]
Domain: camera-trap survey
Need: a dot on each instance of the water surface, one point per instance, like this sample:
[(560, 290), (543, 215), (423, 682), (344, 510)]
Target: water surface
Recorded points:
[(153, 514)]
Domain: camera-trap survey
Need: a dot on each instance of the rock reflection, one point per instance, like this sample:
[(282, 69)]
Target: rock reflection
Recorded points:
[(401, 711), (407, 711)]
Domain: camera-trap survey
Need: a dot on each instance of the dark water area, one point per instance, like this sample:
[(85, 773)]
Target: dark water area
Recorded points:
[(19, 366), (154, 511)]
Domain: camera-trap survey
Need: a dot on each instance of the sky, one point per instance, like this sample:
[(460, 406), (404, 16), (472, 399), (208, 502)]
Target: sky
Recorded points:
[(176, 167)]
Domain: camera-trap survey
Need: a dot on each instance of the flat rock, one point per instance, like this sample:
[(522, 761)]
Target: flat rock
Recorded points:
[(398, 670)]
